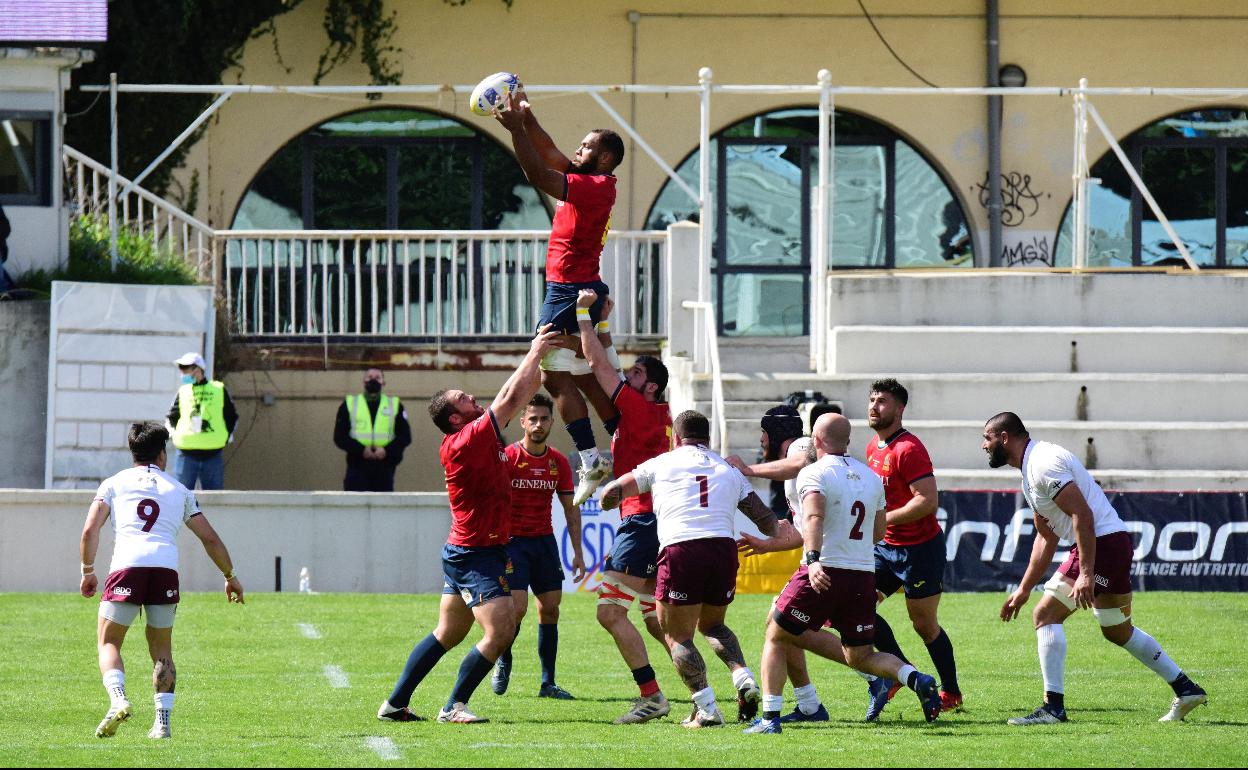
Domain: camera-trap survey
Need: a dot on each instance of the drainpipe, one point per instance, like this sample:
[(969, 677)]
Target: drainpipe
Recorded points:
[(993, 13)]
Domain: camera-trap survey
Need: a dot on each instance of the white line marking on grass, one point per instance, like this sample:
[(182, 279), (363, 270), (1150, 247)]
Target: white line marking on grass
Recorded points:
[(337, 677), (382, 747), (309, 630)]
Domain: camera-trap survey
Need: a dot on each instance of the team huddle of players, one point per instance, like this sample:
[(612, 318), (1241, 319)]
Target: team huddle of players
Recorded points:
[(865, 531)]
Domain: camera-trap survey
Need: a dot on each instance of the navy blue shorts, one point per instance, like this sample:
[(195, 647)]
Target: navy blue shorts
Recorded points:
[(636, 549), (559, 305), (478, 574), (535, 563), (920, 569)]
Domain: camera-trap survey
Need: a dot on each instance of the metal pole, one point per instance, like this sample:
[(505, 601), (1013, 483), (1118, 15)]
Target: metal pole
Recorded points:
[(704, 194), (994, 137), (819, 261), (1080, 259), (112, 176), (182, 137)]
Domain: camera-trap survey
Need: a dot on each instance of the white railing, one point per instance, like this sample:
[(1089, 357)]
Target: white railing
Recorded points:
[(142, 212), (427, 284)]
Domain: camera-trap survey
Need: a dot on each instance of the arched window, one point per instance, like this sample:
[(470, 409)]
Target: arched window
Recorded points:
[(891, 208), (1195, 164), (391, 169)]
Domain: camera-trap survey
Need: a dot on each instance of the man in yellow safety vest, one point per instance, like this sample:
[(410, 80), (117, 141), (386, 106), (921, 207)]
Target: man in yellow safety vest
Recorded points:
[(201, 422), (372, 429)]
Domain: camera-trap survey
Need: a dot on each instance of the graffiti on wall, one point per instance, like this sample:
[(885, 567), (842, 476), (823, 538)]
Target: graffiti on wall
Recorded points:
[(1018, 201)]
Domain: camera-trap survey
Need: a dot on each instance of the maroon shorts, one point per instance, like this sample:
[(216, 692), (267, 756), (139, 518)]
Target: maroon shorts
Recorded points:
[(698, 572), (848, 606), (142, 585), (1113, 564)]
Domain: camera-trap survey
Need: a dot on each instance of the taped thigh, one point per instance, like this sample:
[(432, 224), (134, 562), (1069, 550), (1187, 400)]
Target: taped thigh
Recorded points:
[(559, 359), (121, 613), (619, 595), (161, 615), (648, 606), (1110, 616), (1061, 590)]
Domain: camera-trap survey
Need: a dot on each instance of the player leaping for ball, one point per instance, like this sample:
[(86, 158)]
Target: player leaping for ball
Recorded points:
[(584, 190)]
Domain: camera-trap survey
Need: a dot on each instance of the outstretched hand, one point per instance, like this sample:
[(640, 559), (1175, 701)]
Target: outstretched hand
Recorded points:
[(511, 111), (545, 340), (586, 298)]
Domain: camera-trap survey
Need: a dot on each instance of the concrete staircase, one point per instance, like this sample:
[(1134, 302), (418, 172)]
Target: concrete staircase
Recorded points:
[(1144, 376)]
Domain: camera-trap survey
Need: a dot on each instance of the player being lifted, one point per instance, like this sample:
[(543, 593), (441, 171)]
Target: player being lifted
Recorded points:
[(1068, 504), (584, 190), (843, 514), (696, 495), (644, 431), (539, 471), (148, 507)]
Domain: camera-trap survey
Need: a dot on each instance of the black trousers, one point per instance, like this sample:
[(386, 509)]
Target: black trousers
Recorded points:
[(369, 477)]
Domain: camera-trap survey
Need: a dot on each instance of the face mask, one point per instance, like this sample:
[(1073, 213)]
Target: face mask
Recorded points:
[(373, 387), (187, 379)]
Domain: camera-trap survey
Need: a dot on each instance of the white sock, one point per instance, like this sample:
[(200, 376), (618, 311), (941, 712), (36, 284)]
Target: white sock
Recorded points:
[(773, 703), (1147, 651), (903, 673), (1051, 642), (115, 684), (807, 698), (588, 456), (741, 676), (164, 706), (705, 699)]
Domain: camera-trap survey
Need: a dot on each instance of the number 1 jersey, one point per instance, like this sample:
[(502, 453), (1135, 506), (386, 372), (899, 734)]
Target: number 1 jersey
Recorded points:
[(148, 508)]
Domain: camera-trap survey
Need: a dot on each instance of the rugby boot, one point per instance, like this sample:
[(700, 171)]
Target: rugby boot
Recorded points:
[(1183, 705), (501, 677), (460, 715), (797, 715), (950, 701), (388, 713), (117, 713), (552, 690), (929, 696), (762, 726), (699, 719), (590, 476), (1041, 716), (644, 709), (749, 698), (879, 692)]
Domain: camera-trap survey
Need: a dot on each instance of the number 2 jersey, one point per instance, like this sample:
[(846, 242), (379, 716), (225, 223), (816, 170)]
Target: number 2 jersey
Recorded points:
[(148, 508), (852, 496)]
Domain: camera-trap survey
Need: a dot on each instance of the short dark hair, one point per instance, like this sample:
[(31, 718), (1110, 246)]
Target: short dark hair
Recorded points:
[(893, 388), (691, 424), (1009, 424), (441, 409), (611, 142), (147, 440), (819, 410), (656, 372), (543, 401)]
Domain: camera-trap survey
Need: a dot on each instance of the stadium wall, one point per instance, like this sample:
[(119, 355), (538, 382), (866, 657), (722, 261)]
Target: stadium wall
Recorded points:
[(23, 392)]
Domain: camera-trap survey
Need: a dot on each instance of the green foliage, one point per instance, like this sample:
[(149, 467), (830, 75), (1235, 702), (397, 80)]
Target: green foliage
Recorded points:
[(252, 690), (140, 260), (362, 23)]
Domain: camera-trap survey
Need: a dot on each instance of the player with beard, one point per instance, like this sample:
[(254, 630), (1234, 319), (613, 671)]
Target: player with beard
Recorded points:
[(1068, 504), (584, 189), (474, 559), (912, 556)]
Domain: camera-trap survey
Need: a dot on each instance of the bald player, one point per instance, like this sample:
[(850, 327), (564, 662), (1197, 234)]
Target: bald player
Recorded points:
[(843, 515)]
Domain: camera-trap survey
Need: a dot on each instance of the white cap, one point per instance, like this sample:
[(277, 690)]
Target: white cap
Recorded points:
[(192, 359)]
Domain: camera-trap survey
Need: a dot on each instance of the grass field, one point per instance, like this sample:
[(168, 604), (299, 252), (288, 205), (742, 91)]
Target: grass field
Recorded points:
[(253, 690)]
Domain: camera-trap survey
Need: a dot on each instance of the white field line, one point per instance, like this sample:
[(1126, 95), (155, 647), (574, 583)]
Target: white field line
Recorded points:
[(384, 748), (309, 630), (337, 677)]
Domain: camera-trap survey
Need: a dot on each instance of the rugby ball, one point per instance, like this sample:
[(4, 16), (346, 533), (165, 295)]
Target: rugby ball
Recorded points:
[(492, 92)]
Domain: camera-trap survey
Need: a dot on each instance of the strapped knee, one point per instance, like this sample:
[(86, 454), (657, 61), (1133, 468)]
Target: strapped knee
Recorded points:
[(559, 359), (1061, 590), (649, 607), (618, 595), (1110, 616)]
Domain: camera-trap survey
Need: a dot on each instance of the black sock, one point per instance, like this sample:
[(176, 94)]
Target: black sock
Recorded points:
[(643, 674), (941, 650), (769, 715), (423, 658), (471, 672), (912, 679), (1056, 701), (548, 650), (505, 659), (885, 641), (611, 424), (582, 433), (1184, 686)]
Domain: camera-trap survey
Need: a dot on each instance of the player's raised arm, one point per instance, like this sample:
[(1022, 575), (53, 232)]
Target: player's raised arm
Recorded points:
[(89, 544), (220, 556), (599, 362), (550, 154), (524, 382), (548, 180)]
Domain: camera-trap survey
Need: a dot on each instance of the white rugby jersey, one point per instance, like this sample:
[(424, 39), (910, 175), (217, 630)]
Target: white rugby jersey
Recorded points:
[(1047, 470), (148, 507), (853, 494), (800, 447), (695, 493)]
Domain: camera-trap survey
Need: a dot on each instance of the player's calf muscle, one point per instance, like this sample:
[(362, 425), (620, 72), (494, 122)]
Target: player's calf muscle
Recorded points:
[(724, 642), (689, 664), (164, 675)]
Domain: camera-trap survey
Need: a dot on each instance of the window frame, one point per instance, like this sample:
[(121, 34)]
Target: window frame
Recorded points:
[(42, 195)]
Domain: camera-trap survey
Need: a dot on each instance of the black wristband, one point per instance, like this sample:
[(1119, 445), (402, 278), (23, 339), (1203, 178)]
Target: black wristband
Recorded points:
[(811, 557)]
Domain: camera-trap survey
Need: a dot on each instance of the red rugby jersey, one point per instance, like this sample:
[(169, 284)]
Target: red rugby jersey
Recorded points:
[(534, 478), (478, 483), (899, 462), (645, 431), (579, 229)]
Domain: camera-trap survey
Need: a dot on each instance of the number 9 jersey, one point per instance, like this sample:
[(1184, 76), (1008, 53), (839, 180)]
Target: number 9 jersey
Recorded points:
[(148, 507), (852, 495)]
